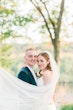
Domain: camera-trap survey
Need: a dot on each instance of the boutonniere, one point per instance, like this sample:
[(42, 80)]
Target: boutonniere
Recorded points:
[(38, 75)]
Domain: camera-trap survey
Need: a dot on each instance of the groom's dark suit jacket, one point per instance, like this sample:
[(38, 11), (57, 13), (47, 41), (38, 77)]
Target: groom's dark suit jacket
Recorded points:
[(26, 75)]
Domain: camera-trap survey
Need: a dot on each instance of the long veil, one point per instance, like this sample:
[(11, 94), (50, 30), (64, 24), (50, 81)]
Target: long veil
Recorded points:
[(18, 95)]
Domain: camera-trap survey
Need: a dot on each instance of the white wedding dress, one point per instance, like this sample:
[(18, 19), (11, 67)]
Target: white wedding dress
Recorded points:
[(16, 94), (40, 83)]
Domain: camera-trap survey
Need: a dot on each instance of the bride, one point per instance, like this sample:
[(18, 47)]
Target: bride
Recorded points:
[(18, 95)]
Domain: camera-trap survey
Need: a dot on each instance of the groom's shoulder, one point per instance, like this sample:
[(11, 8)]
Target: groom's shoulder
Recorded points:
[(23, 71)]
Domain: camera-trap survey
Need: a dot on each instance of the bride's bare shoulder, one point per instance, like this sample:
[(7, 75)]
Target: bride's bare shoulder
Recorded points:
[(48, 74)]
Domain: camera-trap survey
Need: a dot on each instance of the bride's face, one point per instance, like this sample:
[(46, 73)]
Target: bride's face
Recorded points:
[(42, 62)]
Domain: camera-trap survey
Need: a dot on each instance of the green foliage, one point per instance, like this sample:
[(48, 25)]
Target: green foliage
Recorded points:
[(67, 65), (66, 69), (6, 11), (5, 23), (5, 60), (21, 20), (6, 35), (6, 48), (15, 67), (42, 29), (67, 107)]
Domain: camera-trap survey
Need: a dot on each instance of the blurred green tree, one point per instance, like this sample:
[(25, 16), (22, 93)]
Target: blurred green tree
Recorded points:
[(52, 21)]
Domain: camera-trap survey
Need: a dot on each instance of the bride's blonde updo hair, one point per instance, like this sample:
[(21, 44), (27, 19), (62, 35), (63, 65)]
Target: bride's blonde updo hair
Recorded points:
[(46, 56)]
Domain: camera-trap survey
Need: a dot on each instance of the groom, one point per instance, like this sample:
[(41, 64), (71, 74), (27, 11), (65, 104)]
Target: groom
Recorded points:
[(26, 73)]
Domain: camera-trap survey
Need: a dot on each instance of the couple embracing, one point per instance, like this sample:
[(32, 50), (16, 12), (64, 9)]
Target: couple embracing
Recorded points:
[(43, 61), (27, 92)]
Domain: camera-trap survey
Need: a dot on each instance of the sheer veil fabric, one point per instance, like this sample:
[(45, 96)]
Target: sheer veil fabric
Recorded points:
[(16, 94)]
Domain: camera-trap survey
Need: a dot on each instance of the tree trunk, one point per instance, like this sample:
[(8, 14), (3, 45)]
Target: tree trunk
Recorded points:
[(56, 47)]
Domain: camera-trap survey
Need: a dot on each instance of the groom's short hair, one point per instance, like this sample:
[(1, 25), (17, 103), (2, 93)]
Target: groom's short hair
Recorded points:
[(30, 49)]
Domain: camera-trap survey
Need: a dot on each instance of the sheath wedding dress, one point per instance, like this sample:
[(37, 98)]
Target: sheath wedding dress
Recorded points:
[(16, 94)]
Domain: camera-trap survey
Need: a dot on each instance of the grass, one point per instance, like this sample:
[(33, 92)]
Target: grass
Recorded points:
[(67, 107)]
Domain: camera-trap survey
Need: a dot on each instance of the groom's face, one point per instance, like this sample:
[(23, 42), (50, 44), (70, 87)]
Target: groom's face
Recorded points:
[(31, 58)]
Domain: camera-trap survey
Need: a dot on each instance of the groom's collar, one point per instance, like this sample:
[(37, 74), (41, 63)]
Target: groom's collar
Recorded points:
[(33, 73)]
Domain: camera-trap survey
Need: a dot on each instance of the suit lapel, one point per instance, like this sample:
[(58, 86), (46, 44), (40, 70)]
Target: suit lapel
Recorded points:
[(28, 72)]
